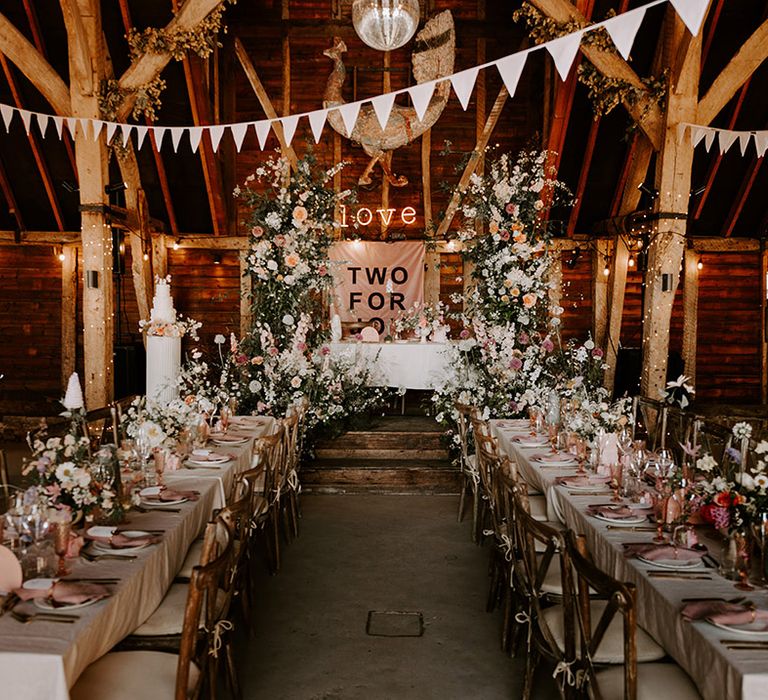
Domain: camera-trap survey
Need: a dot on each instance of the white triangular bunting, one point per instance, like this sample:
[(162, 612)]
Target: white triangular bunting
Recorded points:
[(510, 68), (726, 139), (195, 134), (761, 142), (420, 96), (125, 130), (159, 133), (216, 132), (141, 133), (42, 123), (623, 29), (7, 114), (696, 135), (238, 134), (262, 132), (84, 124), (26, 117), (692, 12), (96, 125), (382, 105), (176, 134), (289, 127), (72, 126), (111, 128), (563, 52), (709, 138), (349, 114), (463, 83), (58, 122), (317, 122), (744, 141)]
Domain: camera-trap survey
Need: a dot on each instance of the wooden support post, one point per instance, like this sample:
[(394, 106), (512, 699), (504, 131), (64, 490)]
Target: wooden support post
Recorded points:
[(764, 324), (431, 277), (690, 311), (386, 87), (426, 180), (600, 258), (159, 256), (246, 288), (673, 182), (68, 312)]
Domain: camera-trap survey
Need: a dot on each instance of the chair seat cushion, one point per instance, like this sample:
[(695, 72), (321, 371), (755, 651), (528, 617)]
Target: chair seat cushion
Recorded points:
[(538, 506), (129, 675), (192, 559), (611, 648), (168, 617), (552, 583), (654, 681)]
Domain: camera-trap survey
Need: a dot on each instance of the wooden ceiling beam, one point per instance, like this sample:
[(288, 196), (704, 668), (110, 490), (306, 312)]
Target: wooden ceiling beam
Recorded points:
[(644, 110), (33, 65), (37, 151), (714, 19), (589, 151), (10, 198), (741, 198), (736, 72)]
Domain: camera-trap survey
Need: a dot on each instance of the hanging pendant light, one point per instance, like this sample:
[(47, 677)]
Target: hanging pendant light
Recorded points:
[(385, 25)]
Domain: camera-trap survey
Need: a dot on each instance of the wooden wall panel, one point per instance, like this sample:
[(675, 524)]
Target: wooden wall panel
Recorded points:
[(577, 297)]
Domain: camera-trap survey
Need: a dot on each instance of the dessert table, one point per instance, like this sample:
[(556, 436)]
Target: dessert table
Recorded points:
[(41, 661), (718, 672), (400, 364)]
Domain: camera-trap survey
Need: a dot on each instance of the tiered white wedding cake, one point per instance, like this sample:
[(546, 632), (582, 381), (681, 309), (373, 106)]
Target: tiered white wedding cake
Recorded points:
[(163, 346)]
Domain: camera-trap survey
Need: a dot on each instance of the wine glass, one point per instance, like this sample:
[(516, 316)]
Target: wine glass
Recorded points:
[(581, 454), (625, 440), (660, 512), (743, 561), (552, 432), (617, 474)]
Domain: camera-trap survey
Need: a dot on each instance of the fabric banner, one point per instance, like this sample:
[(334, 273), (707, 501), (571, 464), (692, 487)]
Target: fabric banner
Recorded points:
[(374, 281)]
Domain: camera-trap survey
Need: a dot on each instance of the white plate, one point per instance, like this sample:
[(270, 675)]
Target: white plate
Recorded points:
[(621, 522), (39, 584), (530, 443), (150, 491), (45, 604), (162, 504), (758, 628), (103, 548), (675, 564), (597, 486), (232, 441), (555, 462)]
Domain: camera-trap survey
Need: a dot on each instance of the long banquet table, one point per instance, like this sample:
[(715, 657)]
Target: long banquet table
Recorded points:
[(719, 673), (41, 661)]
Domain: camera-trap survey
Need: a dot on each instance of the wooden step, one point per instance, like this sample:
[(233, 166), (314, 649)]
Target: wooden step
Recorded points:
[(366, 454), (391, 440), (380, 478)]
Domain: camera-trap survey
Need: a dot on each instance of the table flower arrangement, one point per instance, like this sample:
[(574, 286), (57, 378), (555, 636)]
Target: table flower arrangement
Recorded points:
[(159, 423)]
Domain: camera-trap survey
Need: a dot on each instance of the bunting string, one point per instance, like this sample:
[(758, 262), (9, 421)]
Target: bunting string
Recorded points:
[(725, 138), (622, 29)]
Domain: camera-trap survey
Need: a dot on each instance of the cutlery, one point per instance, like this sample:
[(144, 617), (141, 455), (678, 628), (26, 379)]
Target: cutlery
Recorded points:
[(589, 493), (744, 642), (739, 599), (709, 560), (95, 579), (141, 509), (24, 618), (97, 557), (636, 528), (678, 577)]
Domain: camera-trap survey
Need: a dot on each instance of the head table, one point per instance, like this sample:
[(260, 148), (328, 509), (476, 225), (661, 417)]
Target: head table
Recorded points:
[(718, 672), (41, 661)]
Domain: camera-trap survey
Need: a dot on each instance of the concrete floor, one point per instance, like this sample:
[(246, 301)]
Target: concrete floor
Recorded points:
[(365, 552)]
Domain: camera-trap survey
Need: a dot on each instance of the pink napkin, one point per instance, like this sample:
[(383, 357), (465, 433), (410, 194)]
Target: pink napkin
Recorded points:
[(723, 613), (66, 592), (612, 512), (552, 457), (662, 552), (173, 495), (120, 541), (585, 480)]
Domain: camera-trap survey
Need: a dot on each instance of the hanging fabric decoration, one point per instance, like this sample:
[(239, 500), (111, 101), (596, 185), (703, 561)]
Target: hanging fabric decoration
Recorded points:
[(382, 105), (111, 128), (7, 114), (141, 133), (317, 122), (726, 139), (216, 132), (709, 138), (421, 94), (463, 84), (195, 134), (744, 142), (238, 134), (289, 125), (623, 29), (510, 69), (692, 13), (96, 125), (262, 132), (563, 52), (349, 114), (761, 143), (26, 117), (159, 132), (59, 124), (176, 132), (125, 131), (42, 123)]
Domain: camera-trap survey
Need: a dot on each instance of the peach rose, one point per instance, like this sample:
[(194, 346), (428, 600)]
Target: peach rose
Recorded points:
[(529, 300), (291, 260), (299, 214)]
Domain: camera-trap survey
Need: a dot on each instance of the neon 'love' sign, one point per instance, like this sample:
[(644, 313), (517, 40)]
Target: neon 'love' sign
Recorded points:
[(364, 216)]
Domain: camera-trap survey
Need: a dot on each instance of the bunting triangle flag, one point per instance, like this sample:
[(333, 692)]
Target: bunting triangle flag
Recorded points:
[(262, 132), (696, 135), (84, 124), (349, 114), (317, 122), (125, 130), (463, 84), (238, 134), (42, 123), (709, 138), (216, 132), (7, 114), (96, 125), (623, 29), (141, 133), (58, 122), (420, 96), (382, 105), (72, 126), (26, 117), (289, 127), (111, 128), (176, 134), (692, 12), (159, 134), (195, 134), (510, 69), (563, 52), (761, 142), (744, 141), (726, 139)]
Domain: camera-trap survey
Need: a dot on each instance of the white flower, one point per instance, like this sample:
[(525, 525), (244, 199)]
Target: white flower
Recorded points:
[(153, 433), (288, 320), (706, 463), (272, 265), (761, 481), (762, 447), (746, 481), (589, 344), (742, 430), (254, 386), (65, 474), (273, 220), (296, 382), (219, 339)]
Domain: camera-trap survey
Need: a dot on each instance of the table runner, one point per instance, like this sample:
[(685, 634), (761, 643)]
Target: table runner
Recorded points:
[(40, 661), (717, 672)]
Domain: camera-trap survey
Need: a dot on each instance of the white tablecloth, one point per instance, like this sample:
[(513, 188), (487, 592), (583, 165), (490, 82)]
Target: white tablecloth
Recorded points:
[(41, 661), (717, 672), (400, 365)]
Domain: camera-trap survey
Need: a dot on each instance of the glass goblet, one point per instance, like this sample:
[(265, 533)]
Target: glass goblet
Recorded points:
[(617, 474), (62, 527), (660, 515)]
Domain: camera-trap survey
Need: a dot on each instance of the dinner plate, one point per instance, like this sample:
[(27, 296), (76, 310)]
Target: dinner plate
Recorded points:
[(39, 584), (530, 443), (620, 522), (230, 441), (675, 564), (211, 460), (162, 504), (588, 486), (758, 628), (45, 604), (554, 462), (104, 548)]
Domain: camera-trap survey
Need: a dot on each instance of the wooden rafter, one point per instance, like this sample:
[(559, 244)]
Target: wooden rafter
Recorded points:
[(10, 198), (37, 151), (743, 64), (581, 185), (741, 198), (644, 110), (714, 18)]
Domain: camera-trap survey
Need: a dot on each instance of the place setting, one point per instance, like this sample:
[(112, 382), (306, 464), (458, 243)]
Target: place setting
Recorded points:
[(207, 459), (162, 497)]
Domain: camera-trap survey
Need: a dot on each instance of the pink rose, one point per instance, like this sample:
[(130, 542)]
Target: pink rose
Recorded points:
[(515, 363), (547, 345), (598, 353), (358, 336), (301, 346), (241, 359), (273, 351), (523, 338), (504, 235), (279, 240), (325, 350), (511, 209), (464, 334), (257, 231), (322, 270)]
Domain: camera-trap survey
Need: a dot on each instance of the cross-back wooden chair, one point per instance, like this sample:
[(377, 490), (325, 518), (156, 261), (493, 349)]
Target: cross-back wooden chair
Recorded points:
[(647, 418), (714, 439), (292, 486), (191, 672), (470, 477), (615, 657)]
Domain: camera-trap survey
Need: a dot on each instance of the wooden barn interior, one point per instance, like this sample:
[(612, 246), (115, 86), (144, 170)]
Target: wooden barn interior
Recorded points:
[(661, 262)]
